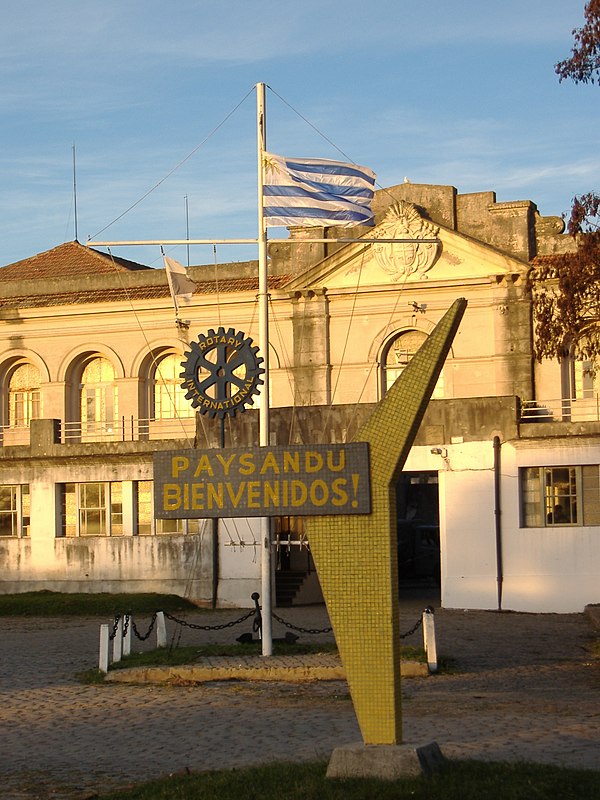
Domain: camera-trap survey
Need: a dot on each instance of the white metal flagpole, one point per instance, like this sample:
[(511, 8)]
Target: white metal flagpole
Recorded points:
[(263, 315)]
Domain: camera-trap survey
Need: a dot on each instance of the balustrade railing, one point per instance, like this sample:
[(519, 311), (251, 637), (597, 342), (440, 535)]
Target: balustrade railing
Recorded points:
[(128, 429), (569, 409), (125, 429)]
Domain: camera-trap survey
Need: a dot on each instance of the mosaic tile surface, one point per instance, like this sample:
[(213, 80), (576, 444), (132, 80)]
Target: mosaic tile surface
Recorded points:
[(356, 556)]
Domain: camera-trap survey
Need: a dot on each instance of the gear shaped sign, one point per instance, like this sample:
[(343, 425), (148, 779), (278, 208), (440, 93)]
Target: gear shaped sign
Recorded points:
[(222, 372)]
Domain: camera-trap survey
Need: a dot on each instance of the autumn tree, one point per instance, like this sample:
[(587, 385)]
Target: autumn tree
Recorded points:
[(565, 289), (584, 64)]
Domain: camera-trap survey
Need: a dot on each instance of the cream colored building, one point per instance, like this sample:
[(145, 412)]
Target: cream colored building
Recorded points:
[(90, 379)]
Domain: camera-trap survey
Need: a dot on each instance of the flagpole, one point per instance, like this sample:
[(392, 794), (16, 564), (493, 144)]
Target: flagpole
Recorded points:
[(263, 322)]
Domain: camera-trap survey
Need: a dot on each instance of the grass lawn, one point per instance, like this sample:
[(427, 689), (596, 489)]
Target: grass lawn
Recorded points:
[(461, 780), (58, 604), (189, 654)]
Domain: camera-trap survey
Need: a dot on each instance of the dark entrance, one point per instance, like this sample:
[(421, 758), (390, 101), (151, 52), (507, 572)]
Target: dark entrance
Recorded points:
[(418, 514), (296, 579)]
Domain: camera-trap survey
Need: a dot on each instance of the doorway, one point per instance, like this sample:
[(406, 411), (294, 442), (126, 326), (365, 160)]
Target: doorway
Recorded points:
[(418, 520)]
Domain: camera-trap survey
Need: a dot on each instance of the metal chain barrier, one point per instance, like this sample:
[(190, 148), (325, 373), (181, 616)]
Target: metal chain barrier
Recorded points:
[(298, 628), (136, 632), (414, 628), (128, 620), (112, 635), (197, 627)]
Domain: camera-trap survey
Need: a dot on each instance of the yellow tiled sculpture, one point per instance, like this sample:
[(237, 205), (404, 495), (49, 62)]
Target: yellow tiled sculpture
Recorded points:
[(356, 556)]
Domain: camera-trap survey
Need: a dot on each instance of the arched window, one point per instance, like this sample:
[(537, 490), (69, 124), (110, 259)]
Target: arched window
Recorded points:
[(98, 394), (168, 395), (396, 356), (23, 395)]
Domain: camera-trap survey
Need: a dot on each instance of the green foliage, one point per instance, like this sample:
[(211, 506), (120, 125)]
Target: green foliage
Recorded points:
[(57, 604), (188, 655), (466, 780), (584, 64), (91, 677), (173, 657)]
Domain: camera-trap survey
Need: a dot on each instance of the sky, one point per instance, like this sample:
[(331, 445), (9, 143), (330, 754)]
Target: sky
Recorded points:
[(141, 115)]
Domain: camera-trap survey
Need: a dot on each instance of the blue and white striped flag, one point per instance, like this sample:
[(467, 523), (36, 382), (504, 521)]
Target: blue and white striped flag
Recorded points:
[(316, 191)]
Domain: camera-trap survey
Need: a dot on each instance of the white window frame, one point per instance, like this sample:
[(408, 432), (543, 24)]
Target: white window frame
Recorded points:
[(98, 400), (19, 503), (109, 509), (547, 500), (167, 399), (23, 404), (148, 525)]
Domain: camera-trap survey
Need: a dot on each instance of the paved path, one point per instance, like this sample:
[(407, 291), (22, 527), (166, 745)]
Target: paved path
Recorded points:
[(524, 688)]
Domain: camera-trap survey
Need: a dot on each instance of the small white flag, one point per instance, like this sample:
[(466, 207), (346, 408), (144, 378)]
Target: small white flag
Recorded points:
[(302, 191), (181, 286)]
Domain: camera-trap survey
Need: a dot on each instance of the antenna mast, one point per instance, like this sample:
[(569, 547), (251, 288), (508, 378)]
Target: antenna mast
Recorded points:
[(187, 228), (75, 193)]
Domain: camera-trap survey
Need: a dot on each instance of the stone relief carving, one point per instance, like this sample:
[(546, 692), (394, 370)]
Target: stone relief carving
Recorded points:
[(403, 221)]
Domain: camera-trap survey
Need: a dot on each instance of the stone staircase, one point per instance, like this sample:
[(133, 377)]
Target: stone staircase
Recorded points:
[(287, 584)]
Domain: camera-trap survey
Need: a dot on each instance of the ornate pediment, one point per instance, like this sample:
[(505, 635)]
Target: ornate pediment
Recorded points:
[(403, 221)]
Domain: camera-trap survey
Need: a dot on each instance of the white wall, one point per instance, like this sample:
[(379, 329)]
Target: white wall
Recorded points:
[(239, 562), (170, 564), (545, 570)]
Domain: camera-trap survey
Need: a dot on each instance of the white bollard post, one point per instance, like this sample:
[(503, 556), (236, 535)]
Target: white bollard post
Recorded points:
[(127, 636), (429, 639), (103, 659), (161, 630), (118, 641)]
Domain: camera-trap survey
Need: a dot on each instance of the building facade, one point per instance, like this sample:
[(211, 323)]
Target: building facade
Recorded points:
[(499, 499)]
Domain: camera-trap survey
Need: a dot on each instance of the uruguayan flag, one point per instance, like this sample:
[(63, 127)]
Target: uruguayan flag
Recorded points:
[(303, 191)]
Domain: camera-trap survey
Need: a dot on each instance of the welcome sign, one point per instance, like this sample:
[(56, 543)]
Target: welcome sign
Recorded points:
[(300, 480)]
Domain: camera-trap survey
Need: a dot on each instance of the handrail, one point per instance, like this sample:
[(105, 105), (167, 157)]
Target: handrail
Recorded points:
[(124, 429), (128, 429), (566, 409)]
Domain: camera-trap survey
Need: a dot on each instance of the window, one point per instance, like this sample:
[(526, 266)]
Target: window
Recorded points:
[(14, 510), (168, 394), (579, 378), (560, 496), (144, 507), (23, 395), (396, 356), (584, 379), (92, 509), (146, 525), (98, 396)]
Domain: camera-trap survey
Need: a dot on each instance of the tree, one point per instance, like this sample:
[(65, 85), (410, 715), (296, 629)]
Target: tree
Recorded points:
[(565, 289), (584, 64)]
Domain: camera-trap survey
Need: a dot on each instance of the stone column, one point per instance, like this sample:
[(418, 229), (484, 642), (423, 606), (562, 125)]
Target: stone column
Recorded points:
[(312, 366)]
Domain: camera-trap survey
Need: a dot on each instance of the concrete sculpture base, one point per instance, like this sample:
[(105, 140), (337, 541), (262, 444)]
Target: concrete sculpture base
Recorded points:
[(385, 761)]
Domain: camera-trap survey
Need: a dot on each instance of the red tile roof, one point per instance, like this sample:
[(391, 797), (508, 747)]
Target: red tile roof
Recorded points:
[(72, 260), (68, 260), (131, 293)]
